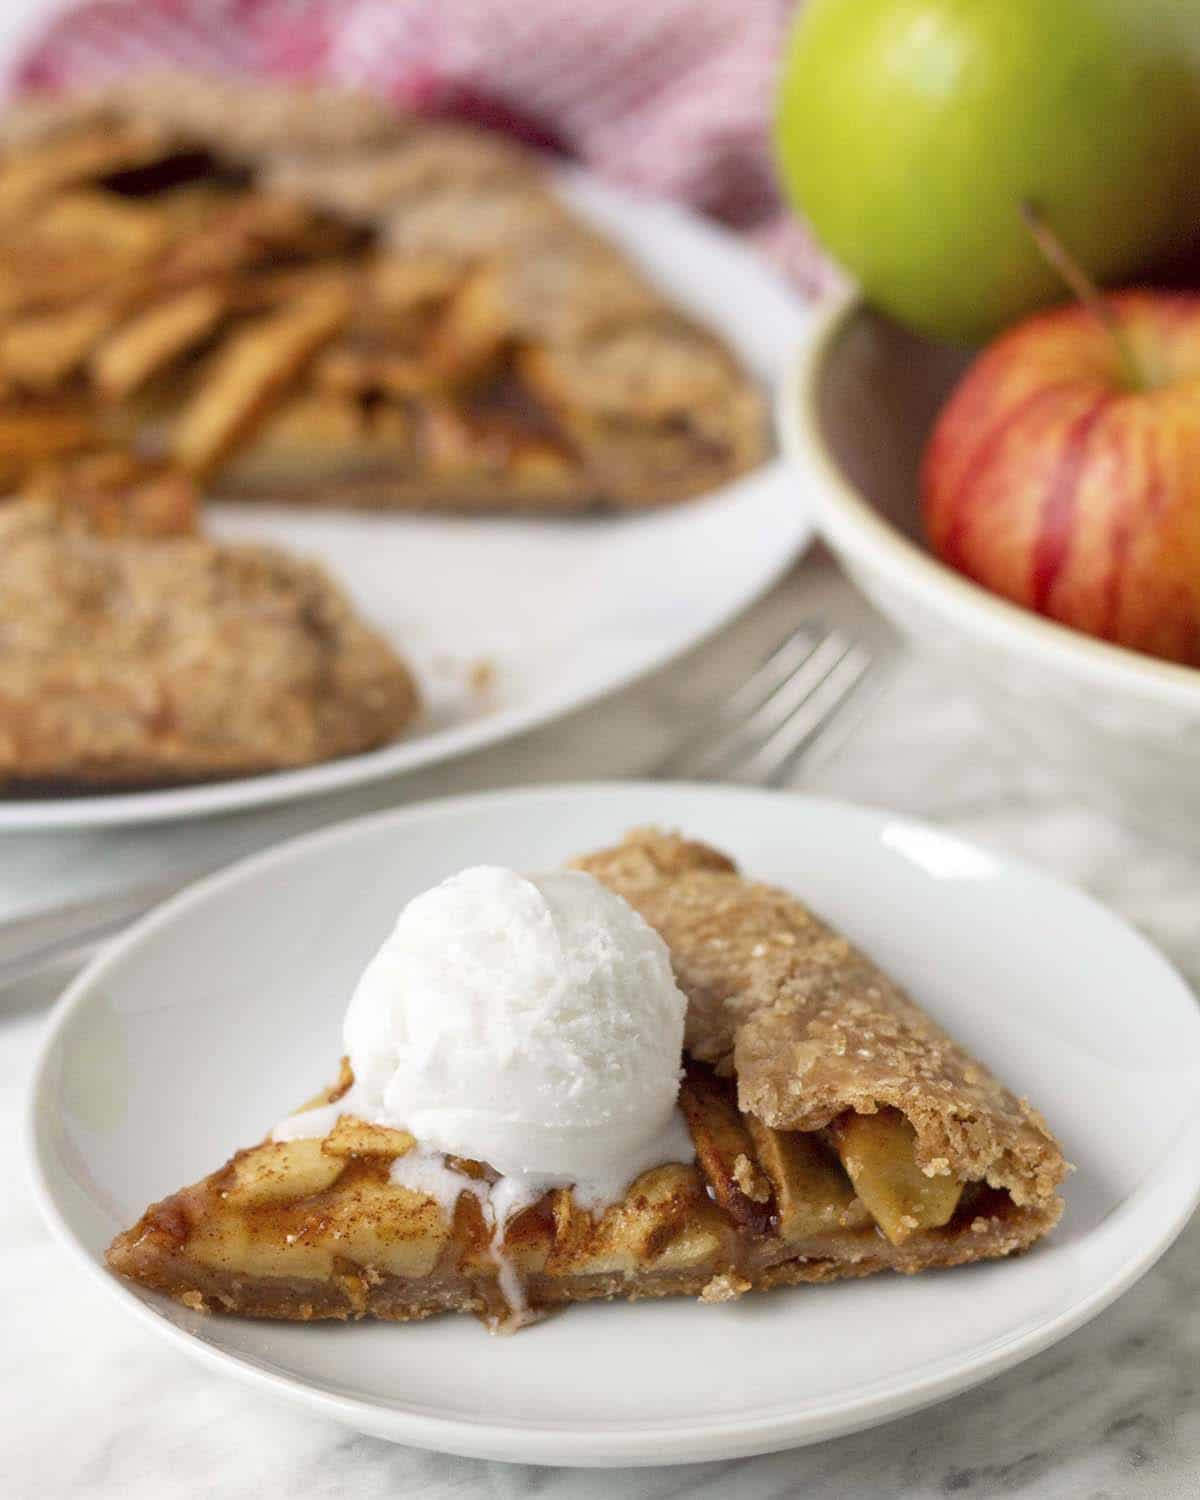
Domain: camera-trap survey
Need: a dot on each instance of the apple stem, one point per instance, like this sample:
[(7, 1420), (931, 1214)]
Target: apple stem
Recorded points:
[(1085, 289)]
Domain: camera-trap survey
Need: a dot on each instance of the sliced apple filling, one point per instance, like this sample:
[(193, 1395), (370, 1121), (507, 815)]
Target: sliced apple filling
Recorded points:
[(860, 1173), (319, 1224), (217, 299), (879, 1154)]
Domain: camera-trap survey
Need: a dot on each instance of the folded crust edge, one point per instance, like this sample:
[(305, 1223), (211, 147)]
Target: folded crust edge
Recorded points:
[(812, 1027)]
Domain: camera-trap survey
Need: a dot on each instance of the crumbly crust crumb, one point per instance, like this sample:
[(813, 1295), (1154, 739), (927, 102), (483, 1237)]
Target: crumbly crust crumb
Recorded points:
[(727, 1287)]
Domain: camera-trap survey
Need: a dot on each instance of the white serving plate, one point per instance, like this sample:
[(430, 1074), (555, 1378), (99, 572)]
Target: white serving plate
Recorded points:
[(561, 611), (220, 1012)]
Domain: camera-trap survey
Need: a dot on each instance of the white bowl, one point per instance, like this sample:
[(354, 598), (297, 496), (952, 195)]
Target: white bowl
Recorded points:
[(1122, 730)]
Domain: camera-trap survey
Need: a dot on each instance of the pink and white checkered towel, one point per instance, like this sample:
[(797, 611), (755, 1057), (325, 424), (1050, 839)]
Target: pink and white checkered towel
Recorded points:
[(672, 97)]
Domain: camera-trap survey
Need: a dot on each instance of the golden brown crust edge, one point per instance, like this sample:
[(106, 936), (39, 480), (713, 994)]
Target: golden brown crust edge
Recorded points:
[(812, 1027), (359, 1292)]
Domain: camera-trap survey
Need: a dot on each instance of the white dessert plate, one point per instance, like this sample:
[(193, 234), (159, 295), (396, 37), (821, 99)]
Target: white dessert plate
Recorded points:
[(221, 1011), (559, 612)]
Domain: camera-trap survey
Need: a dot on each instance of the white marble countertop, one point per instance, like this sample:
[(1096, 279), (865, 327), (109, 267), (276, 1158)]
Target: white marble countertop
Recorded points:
[(93, 1407)]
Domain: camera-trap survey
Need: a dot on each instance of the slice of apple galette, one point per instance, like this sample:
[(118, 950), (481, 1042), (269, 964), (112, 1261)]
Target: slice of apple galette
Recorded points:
[(136, 652), (832, 1130)]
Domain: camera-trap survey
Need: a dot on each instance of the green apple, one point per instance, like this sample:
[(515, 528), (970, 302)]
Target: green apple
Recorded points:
[(909, 132)]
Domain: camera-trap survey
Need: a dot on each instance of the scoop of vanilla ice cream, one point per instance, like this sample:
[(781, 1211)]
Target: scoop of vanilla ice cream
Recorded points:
[(530, 1022)]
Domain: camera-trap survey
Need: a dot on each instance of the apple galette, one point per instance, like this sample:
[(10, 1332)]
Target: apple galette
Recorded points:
[(836, 1130), (297, 294)]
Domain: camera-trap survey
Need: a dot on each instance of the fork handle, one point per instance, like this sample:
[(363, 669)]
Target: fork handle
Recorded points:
[(31, 943)]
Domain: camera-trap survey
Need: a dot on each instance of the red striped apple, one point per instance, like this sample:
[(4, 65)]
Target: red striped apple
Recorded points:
[(1064, 471)]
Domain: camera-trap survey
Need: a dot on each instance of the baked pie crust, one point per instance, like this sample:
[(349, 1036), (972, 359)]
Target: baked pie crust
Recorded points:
[(298, 294), (136, 653), (838, 1131)]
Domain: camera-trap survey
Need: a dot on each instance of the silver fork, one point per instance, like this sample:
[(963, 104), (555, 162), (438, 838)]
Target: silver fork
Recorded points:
[(759, 734), (756, 736)]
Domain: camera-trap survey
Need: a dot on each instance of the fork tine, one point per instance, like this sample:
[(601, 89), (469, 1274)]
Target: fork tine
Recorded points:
[(730, 742), (791, 653), (771, 763), (727, 715), (719, 716)]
